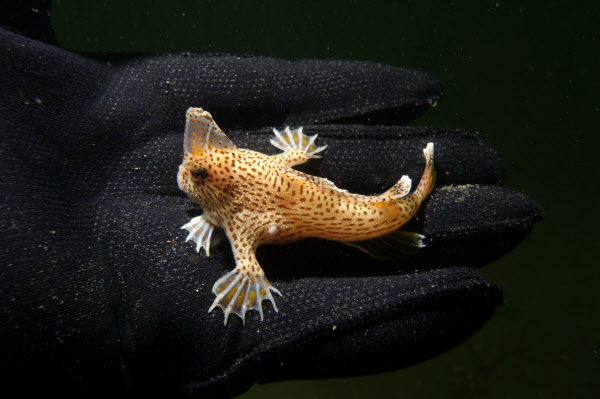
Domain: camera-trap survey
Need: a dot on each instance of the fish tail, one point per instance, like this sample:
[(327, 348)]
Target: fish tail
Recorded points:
[(398, 245), (428, 179)]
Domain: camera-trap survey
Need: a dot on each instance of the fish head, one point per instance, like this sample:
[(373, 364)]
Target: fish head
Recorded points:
[(204, 174)]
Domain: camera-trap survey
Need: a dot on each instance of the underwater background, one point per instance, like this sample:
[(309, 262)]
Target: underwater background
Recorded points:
[(521, 75)]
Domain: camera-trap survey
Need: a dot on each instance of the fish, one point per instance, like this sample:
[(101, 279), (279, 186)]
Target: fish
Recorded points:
[(260, 199)]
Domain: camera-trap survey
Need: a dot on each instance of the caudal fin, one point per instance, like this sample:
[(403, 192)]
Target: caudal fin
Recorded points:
[(428, 179)]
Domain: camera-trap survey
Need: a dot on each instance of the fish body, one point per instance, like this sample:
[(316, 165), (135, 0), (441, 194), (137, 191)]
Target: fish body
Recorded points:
[(259, 199)]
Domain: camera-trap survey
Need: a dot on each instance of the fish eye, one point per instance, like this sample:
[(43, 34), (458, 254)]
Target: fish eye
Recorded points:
[(201, 173)]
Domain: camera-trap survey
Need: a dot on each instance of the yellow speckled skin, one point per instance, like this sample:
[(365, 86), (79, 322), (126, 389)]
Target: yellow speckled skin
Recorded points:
[(258, 199)]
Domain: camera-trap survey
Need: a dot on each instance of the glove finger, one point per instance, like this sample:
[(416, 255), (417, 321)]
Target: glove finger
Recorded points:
[(370, 159), (241, 91), (255, 91), (397, 321)]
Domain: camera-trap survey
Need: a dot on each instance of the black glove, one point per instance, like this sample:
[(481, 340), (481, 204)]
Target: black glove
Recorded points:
[(102, 295)]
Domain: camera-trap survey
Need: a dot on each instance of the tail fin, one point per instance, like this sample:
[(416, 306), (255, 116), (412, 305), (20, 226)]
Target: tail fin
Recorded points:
[(428, 179)]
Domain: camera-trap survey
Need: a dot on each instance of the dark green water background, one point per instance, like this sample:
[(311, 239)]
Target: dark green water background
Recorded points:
[(524, 75)]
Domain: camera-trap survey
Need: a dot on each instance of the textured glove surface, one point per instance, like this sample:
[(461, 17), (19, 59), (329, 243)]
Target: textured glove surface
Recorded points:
[(100, 285)]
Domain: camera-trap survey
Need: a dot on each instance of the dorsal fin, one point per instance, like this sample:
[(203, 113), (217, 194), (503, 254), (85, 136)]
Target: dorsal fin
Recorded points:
[(202, 133), (400, 189)]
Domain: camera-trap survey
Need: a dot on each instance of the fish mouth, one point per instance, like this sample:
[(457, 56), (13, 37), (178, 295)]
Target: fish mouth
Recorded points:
[(180, 181)]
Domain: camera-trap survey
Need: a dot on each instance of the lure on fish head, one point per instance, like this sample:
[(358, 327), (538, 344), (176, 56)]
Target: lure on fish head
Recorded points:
[(205, 173)]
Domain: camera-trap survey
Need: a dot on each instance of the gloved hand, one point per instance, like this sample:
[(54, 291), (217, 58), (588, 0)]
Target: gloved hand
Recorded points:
[(102, 295)]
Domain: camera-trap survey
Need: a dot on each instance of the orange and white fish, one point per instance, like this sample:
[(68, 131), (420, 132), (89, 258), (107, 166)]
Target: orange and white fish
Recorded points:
[(259, 199)]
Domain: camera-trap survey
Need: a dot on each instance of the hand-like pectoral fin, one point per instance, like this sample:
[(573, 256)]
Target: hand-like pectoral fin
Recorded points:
[(201, 230), (297, 148), (244, 288), (237, 293)]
